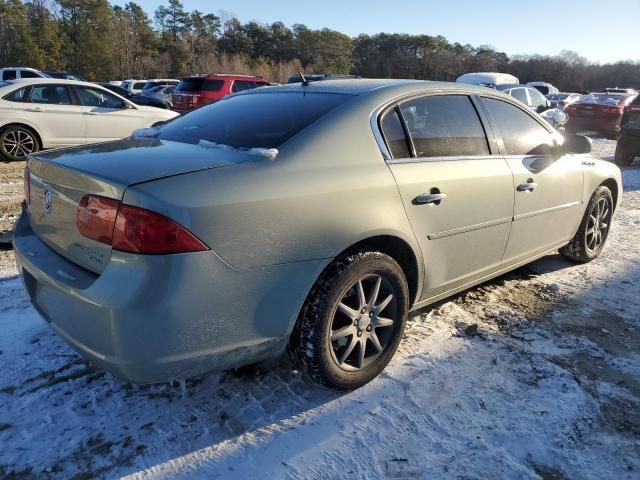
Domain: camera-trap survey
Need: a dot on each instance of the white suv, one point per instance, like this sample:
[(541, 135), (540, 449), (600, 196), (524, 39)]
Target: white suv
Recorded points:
[(15, 73)]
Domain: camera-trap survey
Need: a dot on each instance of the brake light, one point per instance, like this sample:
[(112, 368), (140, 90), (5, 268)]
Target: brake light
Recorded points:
[(96, 216), (615, 110), (27, 186), (132, 229)]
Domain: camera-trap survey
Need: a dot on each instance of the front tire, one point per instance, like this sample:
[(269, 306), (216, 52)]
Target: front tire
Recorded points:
[(592, 234), (17, 142), (352, 321), (622, 157)]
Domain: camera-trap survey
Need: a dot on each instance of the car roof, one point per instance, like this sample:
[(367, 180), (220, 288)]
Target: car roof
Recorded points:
[(37, 81), (224, 75), (365, 86)]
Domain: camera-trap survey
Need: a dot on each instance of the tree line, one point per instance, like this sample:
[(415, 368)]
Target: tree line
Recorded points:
[(101, 41)]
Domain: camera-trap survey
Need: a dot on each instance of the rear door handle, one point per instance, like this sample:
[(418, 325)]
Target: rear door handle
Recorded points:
[(529, 186), (34, 109), (430, 198)]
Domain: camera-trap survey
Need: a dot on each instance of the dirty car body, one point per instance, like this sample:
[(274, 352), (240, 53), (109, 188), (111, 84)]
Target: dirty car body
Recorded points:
[(259, 229)]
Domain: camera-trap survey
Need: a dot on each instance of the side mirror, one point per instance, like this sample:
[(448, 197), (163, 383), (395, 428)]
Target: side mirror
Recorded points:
[(577, 144)]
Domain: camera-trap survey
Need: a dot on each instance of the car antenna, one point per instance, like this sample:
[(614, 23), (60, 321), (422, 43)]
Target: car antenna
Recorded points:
[(304, 81)]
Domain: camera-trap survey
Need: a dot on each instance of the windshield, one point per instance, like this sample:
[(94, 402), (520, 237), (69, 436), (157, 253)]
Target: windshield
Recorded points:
[(252, 121), (602, 99)]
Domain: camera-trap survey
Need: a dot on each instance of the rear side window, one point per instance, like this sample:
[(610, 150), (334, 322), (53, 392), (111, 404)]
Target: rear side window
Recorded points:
[(446, 125), (256, 120), (139, 85), (19, 95), (50, 94), (394, 135), (521, 133), (9, 75)]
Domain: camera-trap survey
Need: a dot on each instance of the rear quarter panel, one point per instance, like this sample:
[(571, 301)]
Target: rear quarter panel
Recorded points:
[(328, 188)]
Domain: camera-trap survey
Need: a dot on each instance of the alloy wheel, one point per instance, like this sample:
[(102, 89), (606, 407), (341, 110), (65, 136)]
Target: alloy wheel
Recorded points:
[(598, 225), (363, 322), (18, 143)]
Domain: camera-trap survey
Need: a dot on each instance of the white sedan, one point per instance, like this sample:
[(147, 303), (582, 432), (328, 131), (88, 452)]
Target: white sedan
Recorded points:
[(48, 113)]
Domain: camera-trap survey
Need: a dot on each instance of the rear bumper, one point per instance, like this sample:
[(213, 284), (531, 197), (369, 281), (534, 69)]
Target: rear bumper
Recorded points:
[(582, 124), (158, 318)]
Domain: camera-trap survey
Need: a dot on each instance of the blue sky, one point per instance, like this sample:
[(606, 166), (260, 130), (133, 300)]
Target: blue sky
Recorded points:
[(598, 32)]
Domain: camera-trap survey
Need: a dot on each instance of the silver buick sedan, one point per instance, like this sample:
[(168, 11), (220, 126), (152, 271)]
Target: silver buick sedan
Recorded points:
[(311, 218)]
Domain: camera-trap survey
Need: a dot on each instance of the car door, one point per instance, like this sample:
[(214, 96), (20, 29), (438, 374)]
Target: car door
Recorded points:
[(458, 198), (107, 117), (60, 121), (547, 188)]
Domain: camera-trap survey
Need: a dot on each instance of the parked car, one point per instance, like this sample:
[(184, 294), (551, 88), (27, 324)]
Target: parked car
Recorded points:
[(163, 93), (195, 91), (598, 112), (543, 87), (133, 86), (138, 99), (628, 146), (154, 82), (530, 96), (317, 77), (488, 79), (308, 218), (65, 76), (46, 112), (628, 91), (562, 99), (14, 73)]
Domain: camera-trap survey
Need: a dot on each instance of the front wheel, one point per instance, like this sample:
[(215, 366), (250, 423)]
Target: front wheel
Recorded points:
[(351, 324), (589, 240), (17, 142)]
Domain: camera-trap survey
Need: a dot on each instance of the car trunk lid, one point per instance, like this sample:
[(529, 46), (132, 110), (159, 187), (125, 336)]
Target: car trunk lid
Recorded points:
[(59, 179)]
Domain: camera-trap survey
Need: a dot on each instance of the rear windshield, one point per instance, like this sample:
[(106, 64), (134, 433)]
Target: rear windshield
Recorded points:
[(603, 99), (196, 84), (264, 120)]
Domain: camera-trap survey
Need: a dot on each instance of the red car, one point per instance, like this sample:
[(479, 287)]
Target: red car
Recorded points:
[(598, 112), (197, 90)]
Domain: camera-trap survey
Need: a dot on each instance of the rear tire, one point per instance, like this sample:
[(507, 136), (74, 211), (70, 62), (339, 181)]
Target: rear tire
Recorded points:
[(352, 321), (16, 142), (622, 157), (592, 234)]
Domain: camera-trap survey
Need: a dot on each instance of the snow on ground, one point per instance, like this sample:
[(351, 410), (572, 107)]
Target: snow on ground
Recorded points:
[(547, 387)]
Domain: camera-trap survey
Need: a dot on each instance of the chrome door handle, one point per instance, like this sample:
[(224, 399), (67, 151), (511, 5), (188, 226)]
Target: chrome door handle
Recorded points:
[(34, 109), (527, 187), (430, 198), (91, 113)]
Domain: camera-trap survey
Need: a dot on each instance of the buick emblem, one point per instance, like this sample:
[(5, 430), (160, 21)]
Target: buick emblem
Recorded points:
[(48, 199)]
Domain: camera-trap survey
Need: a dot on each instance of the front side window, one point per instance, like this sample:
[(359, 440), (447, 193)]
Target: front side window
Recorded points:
[(50, 94), (28, 74), (92, 97), (394, 135), (519, 94), (444, 125), (139, 85), (521, 133), (265, 120), (537, 99), (19, 95)]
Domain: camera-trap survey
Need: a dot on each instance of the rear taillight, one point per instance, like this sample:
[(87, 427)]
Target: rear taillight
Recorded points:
[(614, 110), (27, 186), (96, 217), (132, 229)]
